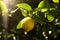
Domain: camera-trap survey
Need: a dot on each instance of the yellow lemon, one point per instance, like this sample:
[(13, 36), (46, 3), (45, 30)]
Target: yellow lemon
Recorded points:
[(27, 24)]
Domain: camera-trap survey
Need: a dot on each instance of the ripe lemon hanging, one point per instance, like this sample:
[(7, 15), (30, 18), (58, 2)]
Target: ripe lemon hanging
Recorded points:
[(27, 24)]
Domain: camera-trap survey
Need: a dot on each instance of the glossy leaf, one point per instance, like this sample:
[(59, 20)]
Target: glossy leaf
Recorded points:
[(44, 10), (45, 14), (50, 18), (19, 26), (3, 7), (42, 4), (57, 23), (52, 9), (55, 1), (24, 13), (24, 6)]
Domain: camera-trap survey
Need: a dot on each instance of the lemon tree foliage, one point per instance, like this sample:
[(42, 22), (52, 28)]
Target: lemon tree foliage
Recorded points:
[(40, 23), (3, 7), (42, 4), (25, 8), (55, 1), (19, 25), (45, 16), (39, 15), (50, 18)]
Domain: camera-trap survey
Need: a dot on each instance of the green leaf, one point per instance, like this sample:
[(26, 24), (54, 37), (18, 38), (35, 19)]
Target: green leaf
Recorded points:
[(45, 14), (24, 13), (44, 10), (57, 23), (19, 26), (50, 18), (55, 1), (52, 9), (42, 4), (3, 6), (24, 6)]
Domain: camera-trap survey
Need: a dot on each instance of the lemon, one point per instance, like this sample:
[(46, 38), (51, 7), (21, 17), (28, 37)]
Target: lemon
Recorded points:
[(27, 24)]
